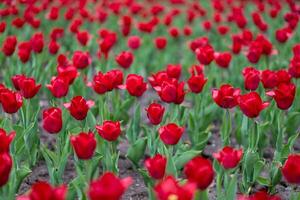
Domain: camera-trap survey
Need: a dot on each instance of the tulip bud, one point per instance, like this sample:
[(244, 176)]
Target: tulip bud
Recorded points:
[(134, 42), (81, 60), (251, 78), (5, 168), (155, 113), (9, 45), (269, 79), (109, 130), (226, 96), (124, 59), (59, 86), (11, 101), (174, 71), (160, 42), (291, 169), (170, 134), (52, 120), (5, 140), (79, 107), (156, 166), (228, 157), (135, 85), (196, 83), (84, 145)]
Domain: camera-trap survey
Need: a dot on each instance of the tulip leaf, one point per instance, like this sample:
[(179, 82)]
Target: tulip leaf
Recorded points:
[(232, 187), (184, 157), (137, 150)]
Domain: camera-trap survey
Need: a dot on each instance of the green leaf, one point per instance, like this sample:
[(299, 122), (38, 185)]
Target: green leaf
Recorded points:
[(184, 157), (137, 150), (231, 189), (263, 181)]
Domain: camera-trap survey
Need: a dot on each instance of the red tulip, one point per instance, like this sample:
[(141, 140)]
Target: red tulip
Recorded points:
[(226, 96), (196, 70), (283, 76), (28, 87), (158, 78), (2, 27), (171, 91), (269, 79), (109, 130), (174, 71), (59, 86), (83, 37), (260, 195), (52, 120), (155, 113), (106, 82), (284, 95), (68, 73), (135, 85), (282, 35), (254, 52), (251, 104), (5, 168), (236, 44), (171, 133), (156, 166), (200, 171), (53, 47), (187, 30), (16, 79), (84, 145), (79, 107), (205, 54), (174, 32), (198, 42), (24, 50), (11, 101), (160, 42), (124, 59), (5, 140), (294, 68), (228, 157), (37, 42), (109, 187), (291, 169), (251, 78), (169, 189), (9, 45), (134, 42), (44, 191), (81, 59), (265, 43), (196, 83), (223, 59)]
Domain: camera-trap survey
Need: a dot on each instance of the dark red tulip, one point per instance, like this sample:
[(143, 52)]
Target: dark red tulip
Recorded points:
[(11, 101), (223, 59), (160, 42), (109, 130), (24, 50), (68, 73), (134, 42), (135, 85), (16, 79), (158, 78), (284, 95), (124, 59), (251, 104), (236, 44), (28, 87), (84, 145), (59, 86), (5, 168), (37, 42), (196, 69), (196, 83), (53, 47), (291, 169), (156, 166), (223, 30), (260, 195), (251, 78), (265, 43), (282, 35), (79, 107), (205, 54), (171, 91), (200, 171), (254, 52), (155, 113), (226, 96), (83, 37), (81, 59), (44, 191), (174, 71), (296, 49), (103, 83), (174, 32), (5, 139), (269, 79), (171, 133), (198, 42), (228, 157), (109, 187), (187, 31), (283, 76), (52, 120), (169, 189), (2, 27), (294, 68), (9, 45)]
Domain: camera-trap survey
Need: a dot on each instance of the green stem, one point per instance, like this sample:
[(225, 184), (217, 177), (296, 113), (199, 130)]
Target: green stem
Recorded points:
[(202, 195)]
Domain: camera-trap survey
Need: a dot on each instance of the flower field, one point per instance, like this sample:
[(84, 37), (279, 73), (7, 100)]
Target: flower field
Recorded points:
[(149, 99)]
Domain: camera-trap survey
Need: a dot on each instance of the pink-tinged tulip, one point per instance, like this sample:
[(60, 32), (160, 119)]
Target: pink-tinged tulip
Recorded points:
[(52, 120), (284, 95), (79, 107), (196, 83), (155, 113), (158, 78), (269, 79), (103, 83), (156, 166), (5, 139), (228, 157), (171, 91), (291, 169), (124, 59), (109, 187), (11, 101), (109, 130), (223, 59), (83, 37), (200, 171), (134, 42), (9, 45), (170, 134), (160, 42), (169, 189), (173, 71), (251, 78), (81, 59), (84, 145), (28, 87), (226, 96), (135, 85), (5, 168), (59, 86), (251, 104), (37, 42), (205, 54), (44, 191), (53, 47)]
